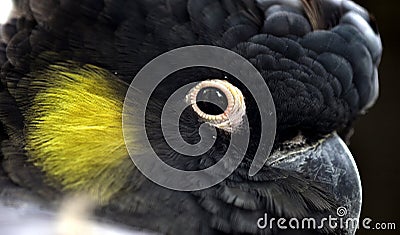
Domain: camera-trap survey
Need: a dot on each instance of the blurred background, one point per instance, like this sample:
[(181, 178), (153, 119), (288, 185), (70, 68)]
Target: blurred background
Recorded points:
[(374, 144)]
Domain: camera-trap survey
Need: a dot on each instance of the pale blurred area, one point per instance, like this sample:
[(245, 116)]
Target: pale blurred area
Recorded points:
[(6, 7), (73, 218)]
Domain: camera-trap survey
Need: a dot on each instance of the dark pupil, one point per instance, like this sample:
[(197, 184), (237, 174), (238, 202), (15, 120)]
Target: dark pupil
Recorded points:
[(212, 101)]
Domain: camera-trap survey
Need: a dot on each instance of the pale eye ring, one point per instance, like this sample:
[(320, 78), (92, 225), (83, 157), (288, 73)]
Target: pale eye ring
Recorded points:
[(227, 97)]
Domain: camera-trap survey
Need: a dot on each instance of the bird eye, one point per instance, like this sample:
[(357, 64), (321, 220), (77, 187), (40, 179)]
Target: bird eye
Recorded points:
[(212, 100), (218, 103)]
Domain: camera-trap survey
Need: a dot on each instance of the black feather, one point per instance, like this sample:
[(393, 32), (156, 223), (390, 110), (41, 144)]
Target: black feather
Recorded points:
[(320, 81)]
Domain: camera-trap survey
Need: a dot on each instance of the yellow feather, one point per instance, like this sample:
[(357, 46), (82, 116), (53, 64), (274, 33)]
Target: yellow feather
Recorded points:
[(74, 129)]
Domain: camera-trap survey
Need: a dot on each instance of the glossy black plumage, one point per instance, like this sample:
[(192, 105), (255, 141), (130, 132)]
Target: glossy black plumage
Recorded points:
[(320, 81), (99, 33)]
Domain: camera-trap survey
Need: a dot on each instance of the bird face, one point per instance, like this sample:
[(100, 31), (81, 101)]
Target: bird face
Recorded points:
[(67, 69)]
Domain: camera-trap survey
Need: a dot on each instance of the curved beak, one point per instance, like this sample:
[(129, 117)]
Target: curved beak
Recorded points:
[(329, 162)]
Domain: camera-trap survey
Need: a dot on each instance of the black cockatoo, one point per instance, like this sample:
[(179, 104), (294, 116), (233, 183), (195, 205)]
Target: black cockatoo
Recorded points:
[(65, 70)]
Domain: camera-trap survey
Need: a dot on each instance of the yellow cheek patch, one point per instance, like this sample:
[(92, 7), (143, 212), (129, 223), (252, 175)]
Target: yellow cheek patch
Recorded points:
[(74, 129)]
